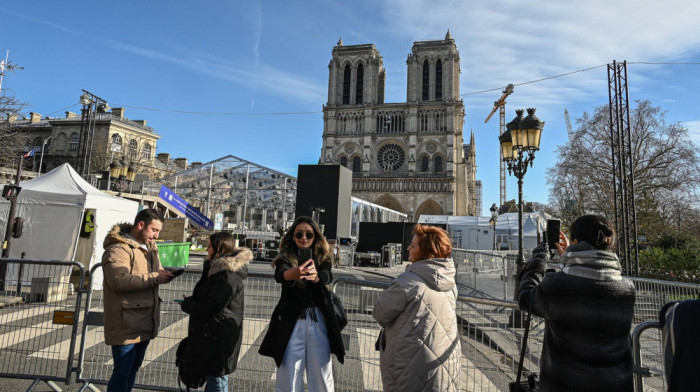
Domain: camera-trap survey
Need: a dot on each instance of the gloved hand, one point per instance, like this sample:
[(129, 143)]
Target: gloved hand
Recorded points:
[(541, 251)]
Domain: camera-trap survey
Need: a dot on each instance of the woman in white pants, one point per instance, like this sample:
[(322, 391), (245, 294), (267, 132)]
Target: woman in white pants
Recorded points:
[(303, 331)]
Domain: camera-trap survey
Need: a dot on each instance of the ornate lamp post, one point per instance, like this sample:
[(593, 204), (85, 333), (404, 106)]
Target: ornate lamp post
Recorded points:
[(518, 144), (123, 172), (493, 221)]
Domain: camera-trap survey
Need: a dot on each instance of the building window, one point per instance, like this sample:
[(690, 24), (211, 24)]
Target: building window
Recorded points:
[(133, 147), (358, 85), (424, 164), (146, 153), (74, 141), (426, 80), (391, 157), (438, 164), (438, 80), (346, 85), (356, 165), (37, 145), (116, 143), (344, 161)]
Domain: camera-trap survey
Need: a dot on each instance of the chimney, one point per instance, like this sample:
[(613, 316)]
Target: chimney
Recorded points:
[(163, 157), (118, 112), (141, 122), (181, 162), (34, 117), (196, 164), (71, 115)]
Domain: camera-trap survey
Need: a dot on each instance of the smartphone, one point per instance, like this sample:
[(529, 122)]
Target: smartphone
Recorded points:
[(304, 255), (553, 227), (178, 301), (177, 272)]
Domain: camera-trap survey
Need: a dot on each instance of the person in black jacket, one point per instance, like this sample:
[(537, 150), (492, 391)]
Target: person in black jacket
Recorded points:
[(588, 309), (303, 330), (680, 321), (216, 306)]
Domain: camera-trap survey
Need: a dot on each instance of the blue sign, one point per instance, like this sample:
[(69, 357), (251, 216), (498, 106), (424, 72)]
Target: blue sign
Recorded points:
[(176, 201)]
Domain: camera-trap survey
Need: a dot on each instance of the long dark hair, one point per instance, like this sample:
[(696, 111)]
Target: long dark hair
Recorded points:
[(222, 243), (596, 230), (288, 248)]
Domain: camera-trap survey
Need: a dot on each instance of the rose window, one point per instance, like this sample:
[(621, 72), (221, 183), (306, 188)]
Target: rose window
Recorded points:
[(391, 157)]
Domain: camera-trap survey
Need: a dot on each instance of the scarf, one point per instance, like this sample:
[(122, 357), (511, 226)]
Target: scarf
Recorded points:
[(585, 261)]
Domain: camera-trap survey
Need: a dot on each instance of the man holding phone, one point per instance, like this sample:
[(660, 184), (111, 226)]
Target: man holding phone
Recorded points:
[(132, 274)]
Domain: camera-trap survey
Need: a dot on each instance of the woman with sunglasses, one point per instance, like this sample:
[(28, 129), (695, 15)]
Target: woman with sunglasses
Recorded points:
[(303, 331)]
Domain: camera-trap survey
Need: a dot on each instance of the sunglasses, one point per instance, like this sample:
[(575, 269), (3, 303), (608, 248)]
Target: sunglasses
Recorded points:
[(309, 235)]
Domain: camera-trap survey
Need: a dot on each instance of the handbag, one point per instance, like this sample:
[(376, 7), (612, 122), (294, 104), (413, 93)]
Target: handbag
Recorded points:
[(531, 384), (341, 315), (188, 378)]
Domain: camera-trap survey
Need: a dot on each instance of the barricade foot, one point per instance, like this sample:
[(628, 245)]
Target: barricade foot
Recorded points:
[(89, 386)]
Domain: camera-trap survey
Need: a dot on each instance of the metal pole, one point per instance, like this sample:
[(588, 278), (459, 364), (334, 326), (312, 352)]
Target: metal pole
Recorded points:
[(245, 200), (43, 147), (9, 228), (211, 174)]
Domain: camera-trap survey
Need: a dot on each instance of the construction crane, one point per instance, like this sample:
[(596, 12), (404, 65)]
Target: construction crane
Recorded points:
[(569, 130), (500, 105)]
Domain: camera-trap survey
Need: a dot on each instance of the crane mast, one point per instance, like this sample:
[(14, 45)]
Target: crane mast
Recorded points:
[(500, 105)]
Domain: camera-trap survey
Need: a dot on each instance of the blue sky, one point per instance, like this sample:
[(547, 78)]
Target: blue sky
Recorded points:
[(236, 63)]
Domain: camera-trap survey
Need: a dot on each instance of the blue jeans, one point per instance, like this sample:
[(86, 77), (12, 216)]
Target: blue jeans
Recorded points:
[(216, 384), (127, 361)]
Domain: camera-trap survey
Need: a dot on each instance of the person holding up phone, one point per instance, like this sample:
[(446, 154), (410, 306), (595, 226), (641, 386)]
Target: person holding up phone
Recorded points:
[(303, 331), (215, 329)]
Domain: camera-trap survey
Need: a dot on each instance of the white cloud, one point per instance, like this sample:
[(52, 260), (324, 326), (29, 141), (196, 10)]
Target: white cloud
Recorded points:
[(693, 130)]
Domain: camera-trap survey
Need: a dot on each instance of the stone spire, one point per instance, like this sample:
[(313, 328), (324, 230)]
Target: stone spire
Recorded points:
[(340, 41), (448, 36)]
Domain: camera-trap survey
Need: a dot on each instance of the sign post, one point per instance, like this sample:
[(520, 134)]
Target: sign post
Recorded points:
[(181, 205)]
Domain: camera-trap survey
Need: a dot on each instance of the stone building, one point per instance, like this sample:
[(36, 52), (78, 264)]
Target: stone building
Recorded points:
[(408, 156), (115, 138)]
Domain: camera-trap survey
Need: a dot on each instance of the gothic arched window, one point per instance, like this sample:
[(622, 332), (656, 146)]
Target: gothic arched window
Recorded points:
[(438, 80), (424, 164), (438, 164), (346, 85), (426, 80), (344, 161), (358, 85), (356, 165)]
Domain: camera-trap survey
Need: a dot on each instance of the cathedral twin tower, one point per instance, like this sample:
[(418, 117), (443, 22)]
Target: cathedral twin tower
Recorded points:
[(410, 156)]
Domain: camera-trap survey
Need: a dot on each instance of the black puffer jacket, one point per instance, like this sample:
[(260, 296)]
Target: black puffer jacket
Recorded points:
[(290, 305), (587, 320), (216, 306)]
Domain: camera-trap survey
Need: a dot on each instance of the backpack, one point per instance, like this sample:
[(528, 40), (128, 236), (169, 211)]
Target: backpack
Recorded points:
[(188, 378)]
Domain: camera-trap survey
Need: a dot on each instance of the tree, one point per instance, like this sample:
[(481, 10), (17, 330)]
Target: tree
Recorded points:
[(13, 141), (665, 166)]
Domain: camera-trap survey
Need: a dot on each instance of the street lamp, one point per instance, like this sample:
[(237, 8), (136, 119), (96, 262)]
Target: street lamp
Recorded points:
[(123, 172), (493, 221), (518, 144)]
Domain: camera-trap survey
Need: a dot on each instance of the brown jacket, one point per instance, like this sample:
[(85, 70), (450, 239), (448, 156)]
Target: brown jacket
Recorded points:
[(131, 302)]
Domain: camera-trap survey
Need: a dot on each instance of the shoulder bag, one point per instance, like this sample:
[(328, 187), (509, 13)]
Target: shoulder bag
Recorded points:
[(184, 376)]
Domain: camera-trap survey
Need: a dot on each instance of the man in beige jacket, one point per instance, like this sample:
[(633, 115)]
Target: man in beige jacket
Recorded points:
[(132, 273)]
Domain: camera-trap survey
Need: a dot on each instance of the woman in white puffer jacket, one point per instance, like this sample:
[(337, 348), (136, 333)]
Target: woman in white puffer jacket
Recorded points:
[(422, 350)]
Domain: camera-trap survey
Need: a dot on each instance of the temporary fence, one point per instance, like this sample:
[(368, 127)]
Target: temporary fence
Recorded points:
[(39, 320), (33, 347)]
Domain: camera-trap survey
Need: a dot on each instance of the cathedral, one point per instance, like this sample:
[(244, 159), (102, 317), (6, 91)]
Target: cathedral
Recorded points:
[(409, 156)]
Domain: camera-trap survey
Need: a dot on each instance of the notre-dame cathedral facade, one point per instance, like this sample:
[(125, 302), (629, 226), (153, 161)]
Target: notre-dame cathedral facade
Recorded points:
[(410, 156)]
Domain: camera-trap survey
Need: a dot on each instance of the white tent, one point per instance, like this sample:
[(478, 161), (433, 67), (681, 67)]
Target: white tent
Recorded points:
[(53, 208)]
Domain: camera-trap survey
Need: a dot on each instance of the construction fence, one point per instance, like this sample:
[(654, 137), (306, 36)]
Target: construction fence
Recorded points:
[(48, 335)]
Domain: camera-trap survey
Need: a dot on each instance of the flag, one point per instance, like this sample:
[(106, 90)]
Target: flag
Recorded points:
[(29, 154)]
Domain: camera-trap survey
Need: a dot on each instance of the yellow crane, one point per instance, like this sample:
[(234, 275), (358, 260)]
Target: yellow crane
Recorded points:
[(500, 105)]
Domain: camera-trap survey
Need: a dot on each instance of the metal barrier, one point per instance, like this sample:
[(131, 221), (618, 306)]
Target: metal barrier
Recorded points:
[(39, 320), (648, 352), (32, 347)]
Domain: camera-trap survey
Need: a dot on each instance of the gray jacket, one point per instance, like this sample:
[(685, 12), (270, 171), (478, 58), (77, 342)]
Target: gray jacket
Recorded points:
[(422, 339)]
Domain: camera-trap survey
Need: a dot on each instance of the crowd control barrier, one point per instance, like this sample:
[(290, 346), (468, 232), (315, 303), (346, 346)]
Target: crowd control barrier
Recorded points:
[(39, 320)]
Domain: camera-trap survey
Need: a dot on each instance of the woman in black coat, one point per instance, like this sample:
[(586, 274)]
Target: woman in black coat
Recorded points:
[(216, 306), (588, 308), (303, 330)]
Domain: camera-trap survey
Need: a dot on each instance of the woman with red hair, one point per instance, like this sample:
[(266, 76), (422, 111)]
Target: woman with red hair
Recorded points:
[(417, 311)]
